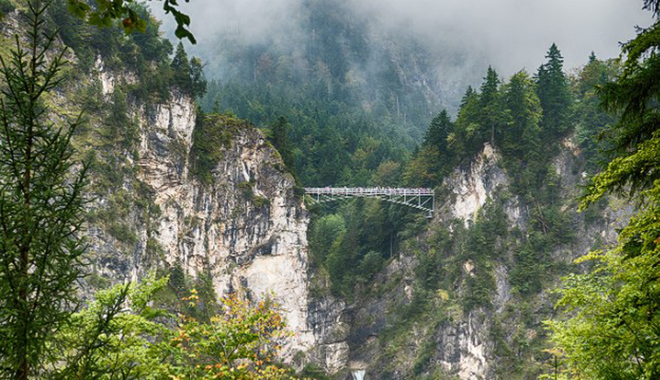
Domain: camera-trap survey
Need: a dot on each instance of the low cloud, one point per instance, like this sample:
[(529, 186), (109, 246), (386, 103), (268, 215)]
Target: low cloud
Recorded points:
[(508, 34)]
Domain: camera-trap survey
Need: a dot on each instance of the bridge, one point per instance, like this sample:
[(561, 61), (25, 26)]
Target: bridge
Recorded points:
[(418, 198)]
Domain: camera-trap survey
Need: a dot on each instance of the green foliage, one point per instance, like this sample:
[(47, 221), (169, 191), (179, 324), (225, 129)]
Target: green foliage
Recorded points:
[(121, 335), (610, 326), (523, 117), (554, 95), (592, 124), (325, 233), (187, 75), (212, 134), (104, 341), (122, 128), (353, 244), (434, 159), (6, 6), (41, 205), (490, 101), (106, 12), (280, 140)]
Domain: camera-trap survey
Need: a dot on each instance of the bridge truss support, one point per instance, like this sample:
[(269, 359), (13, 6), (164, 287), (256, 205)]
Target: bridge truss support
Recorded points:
[(419, 198)]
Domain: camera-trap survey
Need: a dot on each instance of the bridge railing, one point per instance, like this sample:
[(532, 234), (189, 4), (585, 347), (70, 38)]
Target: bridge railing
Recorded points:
[(369, 191)]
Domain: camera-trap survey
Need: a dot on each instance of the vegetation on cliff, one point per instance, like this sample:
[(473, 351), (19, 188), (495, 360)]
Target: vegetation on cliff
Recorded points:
[(611, 325), (45, 332)]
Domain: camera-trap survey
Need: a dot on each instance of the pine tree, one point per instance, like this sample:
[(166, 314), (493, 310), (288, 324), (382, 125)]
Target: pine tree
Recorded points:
[(592, 124), (523, 116), (466, 139), (280, 141), (469, 94), (440, 128), (181, 71), (554, 94), (491, 107), (41, 205), (198, 83)]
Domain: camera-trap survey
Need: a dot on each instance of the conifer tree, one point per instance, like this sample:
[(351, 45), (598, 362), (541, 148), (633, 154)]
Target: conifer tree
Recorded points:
[(469, 94), (280, 141), (198, 83), (466, 138), (523, 116), (439, 129), (181, 71), (41, 205), (612, 329), (554, 94), (187, 75), (491, 107)]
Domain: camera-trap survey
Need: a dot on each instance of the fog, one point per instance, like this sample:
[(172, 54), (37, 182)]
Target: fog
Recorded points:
[(509, 34), (515, 34)]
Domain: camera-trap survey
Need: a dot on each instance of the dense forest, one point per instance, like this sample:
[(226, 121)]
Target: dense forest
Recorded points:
[(331, 119), (346, 116)]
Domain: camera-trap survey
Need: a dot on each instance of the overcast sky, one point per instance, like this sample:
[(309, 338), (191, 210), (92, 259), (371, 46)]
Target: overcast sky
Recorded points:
[(510, 34)]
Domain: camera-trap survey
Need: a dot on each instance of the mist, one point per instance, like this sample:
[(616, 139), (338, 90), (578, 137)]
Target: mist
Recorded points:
[(508, 34)]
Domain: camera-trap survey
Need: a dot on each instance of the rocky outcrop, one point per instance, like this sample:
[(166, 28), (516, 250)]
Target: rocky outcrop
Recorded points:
[(388, 340), (245, 228), (469, 188)]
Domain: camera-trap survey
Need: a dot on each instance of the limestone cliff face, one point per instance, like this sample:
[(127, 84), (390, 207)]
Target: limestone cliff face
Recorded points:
[(244, 227), (388, 340)]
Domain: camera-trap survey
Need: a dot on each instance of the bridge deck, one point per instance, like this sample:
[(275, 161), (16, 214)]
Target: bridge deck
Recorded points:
[(368, 191), (419, 198)]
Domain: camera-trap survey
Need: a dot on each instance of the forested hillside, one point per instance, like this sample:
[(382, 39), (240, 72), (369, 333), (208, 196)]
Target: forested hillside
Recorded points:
[(153, 224), (354, 100), (127, 212), (465, 293)]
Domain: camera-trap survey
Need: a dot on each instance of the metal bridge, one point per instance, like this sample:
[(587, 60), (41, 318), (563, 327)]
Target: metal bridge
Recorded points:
[(419, 198)]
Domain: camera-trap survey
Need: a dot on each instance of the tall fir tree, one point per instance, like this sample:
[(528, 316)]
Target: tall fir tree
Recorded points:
[(523, 117), (198, 82), (181, 70), (465, 140), (439, 129), (491, 107), (591, 123), (554, 94), (41, 205), (280, 140), (469, 94)]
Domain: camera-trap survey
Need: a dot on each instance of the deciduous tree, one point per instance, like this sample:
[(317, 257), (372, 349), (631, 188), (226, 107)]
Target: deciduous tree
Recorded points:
[(611, 328)]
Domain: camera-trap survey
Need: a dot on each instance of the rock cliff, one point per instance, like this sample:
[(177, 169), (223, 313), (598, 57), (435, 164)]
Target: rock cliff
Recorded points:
[(480, 323), (243, 226)]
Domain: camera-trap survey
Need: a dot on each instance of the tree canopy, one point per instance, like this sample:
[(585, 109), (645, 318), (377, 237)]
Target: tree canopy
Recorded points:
[(611, 326)]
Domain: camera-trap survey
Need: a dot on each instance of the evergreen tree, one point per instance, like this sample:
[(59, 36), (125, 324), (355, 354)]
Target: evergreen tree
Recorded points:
[(592, 124), (612, 331), (41, 206), (198, 83), (434, 155), (523, 117), (181, 71), (280, 141), (466, 140), (554, 94), (469, 94), (440, 128), (491, 107)]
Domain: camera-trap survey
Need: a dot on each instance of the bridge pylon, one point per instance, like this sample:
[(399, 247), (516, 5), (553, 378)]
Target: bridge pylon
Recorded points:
[(418, 198)]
